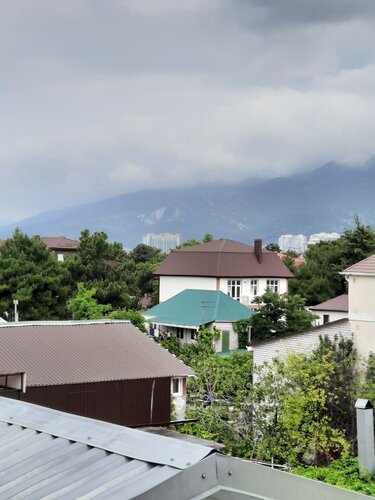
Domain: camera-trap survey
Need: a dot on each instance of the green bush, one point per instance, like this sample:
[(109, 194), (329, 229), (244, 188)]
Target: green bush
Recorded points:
[(343, 472)]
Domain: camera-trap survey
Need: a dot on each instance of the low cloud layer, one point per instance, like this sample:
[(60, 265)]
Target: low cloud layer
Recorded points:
[(101, 98)]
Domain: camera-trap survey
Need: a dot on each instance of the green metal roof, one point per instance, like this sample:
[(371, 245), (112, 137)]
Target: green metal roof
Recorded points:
[(196, 307)]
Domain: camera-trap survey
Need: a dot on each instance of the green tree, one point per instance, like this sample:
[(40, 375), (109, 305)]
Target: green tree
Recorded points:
[(84, 306), (273, 247), (290, 414), (32, 275), (134, 317), (279, 314), (101, 265), (318, 279)]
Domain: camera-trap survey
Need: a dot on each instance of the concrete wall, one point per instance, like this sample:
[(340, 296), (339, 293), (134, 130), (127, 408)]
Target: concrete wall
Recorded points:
[(362, 312), (303, 343)]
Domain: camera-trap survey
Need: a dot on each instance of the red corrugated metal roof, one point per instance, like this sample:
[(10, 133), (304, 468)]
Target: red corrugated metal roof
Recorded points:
[(58, 353), (222, 258)]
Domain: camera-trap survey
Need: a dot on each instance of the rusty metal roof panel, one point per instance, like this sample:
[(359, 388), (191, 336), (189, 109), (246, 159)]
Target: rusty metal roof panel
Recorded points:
[(55, 353)]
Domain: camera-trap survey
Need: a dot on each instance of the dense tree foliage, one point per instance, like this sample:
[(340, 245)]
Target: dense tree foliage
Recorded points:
[(279, 314), (84, 306), (343, 473), (300, 409), (318, 279), (32, 275), (189, 243), (273, 247), (97, 264)]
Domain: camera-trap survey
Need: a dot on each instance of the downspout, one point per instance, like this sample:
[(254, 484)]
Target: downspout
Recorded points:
[(152, 400)]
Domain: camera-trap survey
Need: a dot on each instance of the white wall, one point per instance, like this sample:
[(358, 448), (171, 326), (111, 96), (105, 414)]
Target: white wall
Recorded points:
[(362, 312), (245, 286), (333, 316), (303, 343), (233, 337), (172, 285)]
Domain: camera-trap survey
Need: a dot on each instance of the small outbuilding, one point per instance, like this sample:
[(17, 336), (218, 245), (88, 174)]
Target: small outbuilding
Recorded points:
[(108, 370), (183, 314)]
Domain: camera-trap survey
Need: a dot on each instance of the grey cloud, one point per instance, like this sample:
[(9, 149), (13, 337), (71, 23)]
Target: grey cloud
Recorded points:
[(100, 98)]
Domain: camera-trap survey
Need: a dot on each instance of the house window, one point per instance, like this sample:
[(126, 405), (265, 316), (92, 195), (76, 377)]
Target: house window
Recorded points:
[(176, 386), (193, 334), (273, 285), (325, 319), (254, 287), (234, 289), (179, 333)]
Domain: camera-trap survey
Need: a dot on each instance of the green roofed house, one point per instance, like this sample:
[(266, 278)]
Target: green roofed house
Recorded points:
[(183, 314)]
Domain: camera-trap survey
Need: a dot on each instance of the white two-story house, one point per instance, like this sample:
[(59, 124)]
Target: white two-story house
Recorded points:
[(238, 270)]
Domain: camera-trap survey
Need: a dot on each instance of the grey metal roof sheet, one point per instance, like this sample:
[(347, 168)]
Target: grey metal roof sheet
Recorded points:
[(55, 353), (46, 453)]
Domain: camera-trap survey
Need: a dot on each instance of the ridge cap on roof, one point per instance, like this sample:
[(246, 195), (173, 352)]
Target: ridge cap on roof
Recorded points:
[(301, 332), (64, 322)]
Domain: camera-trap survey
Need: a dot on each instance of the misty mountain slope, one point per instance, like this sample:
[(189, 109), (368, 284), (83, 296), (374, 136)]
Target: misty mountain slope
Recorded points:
[(323, 200)]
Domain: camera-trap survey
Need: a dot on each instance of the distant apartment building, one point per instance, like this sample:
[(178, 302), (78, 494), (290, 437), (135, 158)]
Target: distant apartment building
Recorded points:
[(163, 241), (318, 237), (294, 242)]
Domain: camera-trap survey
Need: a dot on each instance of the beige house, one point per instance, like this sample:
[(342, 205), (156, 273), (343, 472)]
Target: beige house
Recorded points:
[(361, 280)]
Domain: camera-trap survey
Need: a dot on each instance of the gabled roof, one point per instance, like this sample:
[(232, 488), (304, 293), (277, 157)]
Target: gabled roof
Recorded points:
[(59, 243), (337, 304), (366, 266), (63, 352), (196, 307), (222, 258)]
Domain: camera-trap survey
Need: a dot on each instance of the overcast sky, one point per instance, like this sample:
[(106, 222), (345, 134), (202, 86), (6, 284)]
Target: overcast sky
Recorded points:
[(103, 97)]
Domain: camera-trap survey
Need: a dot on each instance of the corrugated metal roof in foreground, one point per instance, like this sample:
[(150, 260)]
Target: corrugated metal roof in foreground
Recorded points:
[(45, 453), (70, 352)]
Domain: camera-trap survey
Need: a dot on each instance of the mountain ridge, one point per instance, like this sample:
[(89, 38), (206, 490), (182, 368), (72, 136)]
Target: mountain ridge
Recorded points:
[(325, 199)]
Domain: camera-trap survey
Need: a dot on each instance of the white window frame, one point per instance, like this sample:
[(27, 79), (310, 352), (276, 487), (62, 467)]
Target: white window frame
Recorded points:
[(234, 289), (176, 386), (180, 332), (273, 285), (254, 287)]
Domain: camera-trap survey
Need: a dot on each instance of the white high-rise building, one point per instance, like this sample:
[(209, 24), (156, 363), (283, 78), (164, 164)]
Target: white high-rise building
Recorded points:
[(318, 237), (295, 242), (163, 241)]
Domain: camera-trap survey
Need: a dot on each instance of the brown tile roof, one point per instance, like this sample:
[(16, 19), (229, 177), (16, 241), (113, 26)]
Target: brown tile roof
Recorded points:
[(339, 304), (222, 258), (366, 266), (55, 353), (59, 243)]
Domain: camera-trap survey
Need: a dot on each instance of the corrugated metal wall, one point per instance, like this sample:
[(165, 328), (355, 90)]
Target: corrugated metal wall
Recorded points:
[(124, 402)]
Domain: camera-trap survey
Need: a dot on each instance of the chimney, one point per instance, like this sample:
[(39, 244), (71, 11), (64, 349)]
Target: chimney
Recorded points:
[(365, 434), (258, 250)]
